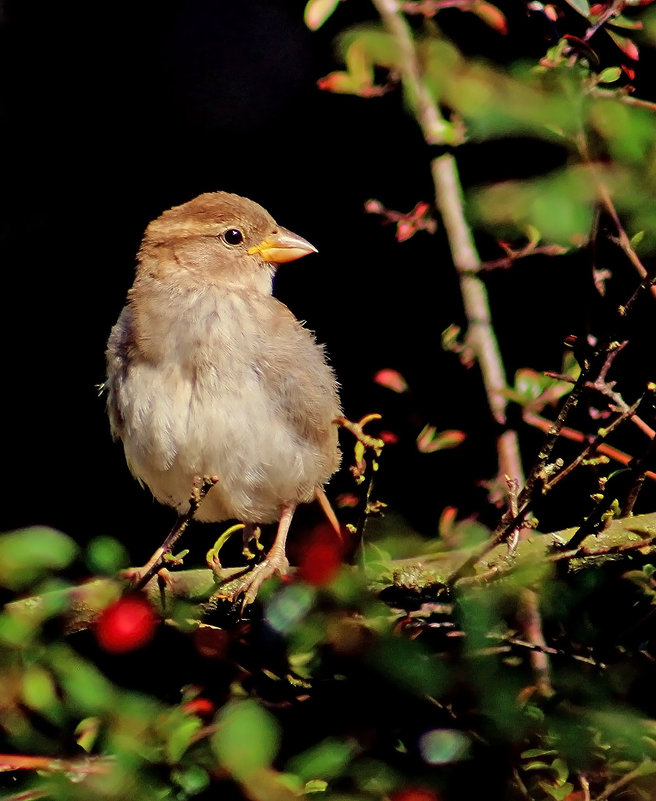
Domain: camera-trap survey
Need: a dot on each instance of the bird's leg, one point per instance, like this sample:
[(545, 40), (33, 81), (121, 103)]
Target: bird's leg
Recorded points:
[(274, 562), (142, 575)]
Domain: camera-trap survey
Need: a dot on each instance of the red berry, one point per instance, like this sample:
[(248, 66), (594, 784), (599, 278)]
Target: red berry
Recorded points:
[(201, 707), (126, 624), (415, 794), (321, 556)]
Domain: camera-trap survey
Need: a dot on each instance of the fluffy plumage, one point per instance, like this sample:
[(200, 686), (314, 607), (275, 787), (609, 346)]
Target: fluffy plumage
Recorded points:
[(208, 374)]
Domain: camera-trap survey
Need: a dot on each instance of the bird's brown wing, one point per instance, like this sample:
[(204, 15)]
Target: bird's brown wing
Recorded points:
[(119, 348), (294, 372)]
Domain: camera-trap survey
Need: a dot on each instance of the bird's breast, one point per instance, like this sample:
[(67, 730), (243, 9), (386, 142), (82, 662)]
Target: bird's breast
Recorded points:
[(216, 389)]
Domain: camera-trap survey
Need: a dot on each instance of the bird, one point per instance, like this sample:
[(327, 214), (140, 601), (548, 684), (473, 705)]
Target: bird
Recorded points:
[(209, 375)]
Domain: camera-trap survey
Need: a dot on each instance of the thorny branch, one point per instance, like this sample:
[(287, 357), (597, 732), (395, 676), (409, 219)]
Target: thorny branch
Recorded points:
[(480, 334)]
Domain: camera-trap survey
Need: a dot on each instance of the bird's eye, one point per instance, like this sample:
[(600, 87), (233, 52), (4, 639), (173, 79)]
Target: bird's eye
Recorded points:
[(233, 236)]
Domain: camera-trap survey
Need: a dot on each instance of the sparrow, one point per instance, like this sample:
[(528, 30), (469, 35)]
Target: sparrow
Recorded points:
[(209, 375)]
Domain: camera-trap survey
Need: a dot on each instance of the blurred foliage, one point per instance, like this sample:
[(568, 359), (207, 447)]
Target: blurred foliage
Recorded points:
[(399, 677), (339, 689)]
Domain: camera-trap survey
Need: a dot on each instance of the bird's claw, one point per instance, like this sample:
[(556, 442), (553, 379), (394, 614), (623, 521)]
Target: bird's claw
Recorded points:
[(248, 585)]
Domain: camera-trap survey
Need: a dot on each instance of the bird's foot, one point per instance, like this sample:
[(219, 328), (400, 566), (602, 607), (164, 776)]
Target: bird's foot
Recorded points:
[(248, 585)]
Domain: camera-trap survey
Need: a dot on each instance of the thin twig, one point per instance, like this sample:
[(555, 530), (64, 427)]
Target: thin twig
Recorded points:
[(201, 487), (612, 11), (513, 256), (622, 96), (79, 767), (28, 795), (623, 239), (573, 434), (620, 783), (435, 128)]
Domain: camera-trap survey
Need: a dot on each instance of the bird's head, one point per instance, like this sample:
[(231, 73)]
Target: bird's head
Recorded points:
[(219, 238)]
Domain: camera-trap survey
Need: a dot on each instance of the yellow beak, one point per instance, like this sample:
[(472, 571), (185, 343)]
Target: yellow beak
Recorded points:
[(282, 246)]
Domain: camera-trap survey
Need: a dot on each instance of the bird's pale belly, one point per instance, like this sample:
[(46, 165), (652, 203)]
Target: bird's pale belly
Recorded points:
[(181, 428)]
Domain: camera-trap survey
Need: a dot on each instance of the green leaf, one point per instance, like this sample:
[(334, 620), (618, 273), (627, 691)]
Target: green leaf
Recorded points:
[(560, 204), (626, 45), (430, 439), (86, 732), (558, 793), (609, 75), (247, 739), (646, 768), (325, 761), (106, 556), (490, 14), (85, 687), (629, 132), (192, 779), (532, 753), (38, 691), (318, 11), (582, 6), (624, 22), (561, 769), (180, 730), (31, 553), (315, 786), (405, 664)]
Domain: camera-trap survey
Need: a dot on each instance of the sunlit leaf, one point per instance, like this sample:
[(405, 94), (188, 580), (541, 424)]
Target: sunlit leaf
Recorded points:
[(558, 792), (315, 786), (29, 554), (106, 556), (627, 46), (531, 753), (179, 729), (560, 205), (247, 738), (582, 6), (85, 687), (430, 439), (362, 49), (502, 103), (327, 760), (490, 14), (628, 131), (39, 691), (318, 11), (621, 21), (193, 779), (529, 383), (610, 75), (86, 732), (637, 238), (391, 379)]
